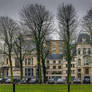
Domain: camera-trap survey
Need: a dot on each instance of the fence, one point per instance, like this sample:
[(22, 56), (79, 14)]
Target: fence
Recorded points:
[(43, 88)]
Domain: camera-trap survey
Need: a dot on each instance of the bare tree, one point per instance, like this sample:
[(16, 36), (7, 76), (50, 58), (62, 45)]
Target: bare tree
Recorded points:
[(87, 22), (67, 24), (8, 29), (19, 52), (38, 20), (44, 54)]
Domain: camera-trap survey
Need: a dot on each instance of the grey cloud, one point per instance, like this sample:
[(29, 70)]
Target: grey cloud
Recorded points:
[(12, 7)]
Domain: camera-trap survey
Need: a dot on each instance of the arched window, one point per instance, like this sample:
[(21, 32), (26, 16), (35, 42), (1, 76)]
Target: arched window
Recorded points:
[(84, 51), (86, 62), (89, 51), (79, 51), (54, 62)]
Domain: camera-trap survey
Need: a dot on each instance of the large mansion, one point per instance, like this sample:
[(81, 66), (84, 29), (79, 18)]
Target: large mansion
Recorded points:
[(56, 65)]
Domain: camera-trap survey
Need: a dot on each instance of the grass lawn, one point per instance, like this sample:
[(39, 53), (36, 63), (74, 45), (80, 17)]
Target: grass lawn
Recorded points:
[(46, 88)]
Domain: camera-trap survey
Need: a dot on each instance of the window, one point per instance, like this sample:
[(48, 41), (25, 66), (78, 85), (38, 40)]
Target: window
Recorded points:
[(29, 60), (28, 71), (7, 61), (86, 61), (59, 72), (7, 72), (59, 62), (72, 71), (54, 67), (84, 51), (16, 63), (79, 70), (53, 49), (53, 43), (79, 75), (59, 67), (87, 71), (79, 51), (32, 61), (47, 61), (66, 65), (79, 62), (25, 72), (89, 51), (25, 61), (73, 65), (54, 62), (48, 67)]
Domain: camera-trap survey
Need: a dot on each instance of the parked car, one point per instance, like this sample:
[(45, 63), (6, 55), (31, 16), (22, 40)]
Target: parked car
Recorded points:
[(60, 81), (76, 81), (23, 81), (32, 81), (8, 80), (16, 80), (51, 81), (86, 80), (1, 80)]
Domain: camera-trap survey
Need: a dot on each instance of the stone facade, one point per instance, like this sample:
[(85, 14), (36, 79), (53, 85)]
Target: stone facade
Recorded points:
[(56, 65)]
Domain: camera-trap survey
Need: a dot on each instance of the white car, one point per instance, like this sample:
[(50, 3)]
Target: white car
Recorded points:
[(32, 81), (1, 79), (8, 81), (51, 81), (76, 81), (60, 81)]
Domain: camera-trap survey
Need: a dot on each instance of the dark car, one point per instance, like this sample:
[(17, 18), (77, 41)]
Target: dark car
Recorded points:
[(25, 81), (86, 80), (2, 80), (16, 81)]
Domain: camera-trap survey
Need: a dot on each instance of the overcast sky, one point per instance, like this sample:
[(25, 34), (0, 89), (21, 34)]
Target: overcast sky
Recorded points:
[(12, 8)]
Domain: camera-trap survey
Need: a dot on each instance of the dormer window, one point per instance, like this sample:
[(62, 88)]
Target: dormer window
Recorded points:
[(84, 39)]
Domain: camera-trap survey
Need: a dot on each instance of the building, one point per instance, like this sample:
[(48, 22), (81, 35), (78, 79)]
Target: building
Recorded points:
[(81, 65), (56, 65), (84, 57), (56, 47), (29, 63)]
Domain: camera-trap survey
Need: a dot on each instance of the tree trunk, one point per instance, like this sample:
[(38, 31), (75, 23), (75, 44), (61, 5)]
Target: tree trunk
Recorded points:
[(21, 70), (11, 70), (39, 62), (69, 75), (44, 71), (39, 70)]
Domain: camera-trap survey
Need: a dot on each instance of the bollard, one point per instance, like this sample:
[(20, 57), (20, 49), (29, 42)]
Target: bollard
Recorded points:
[(13, 87)]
